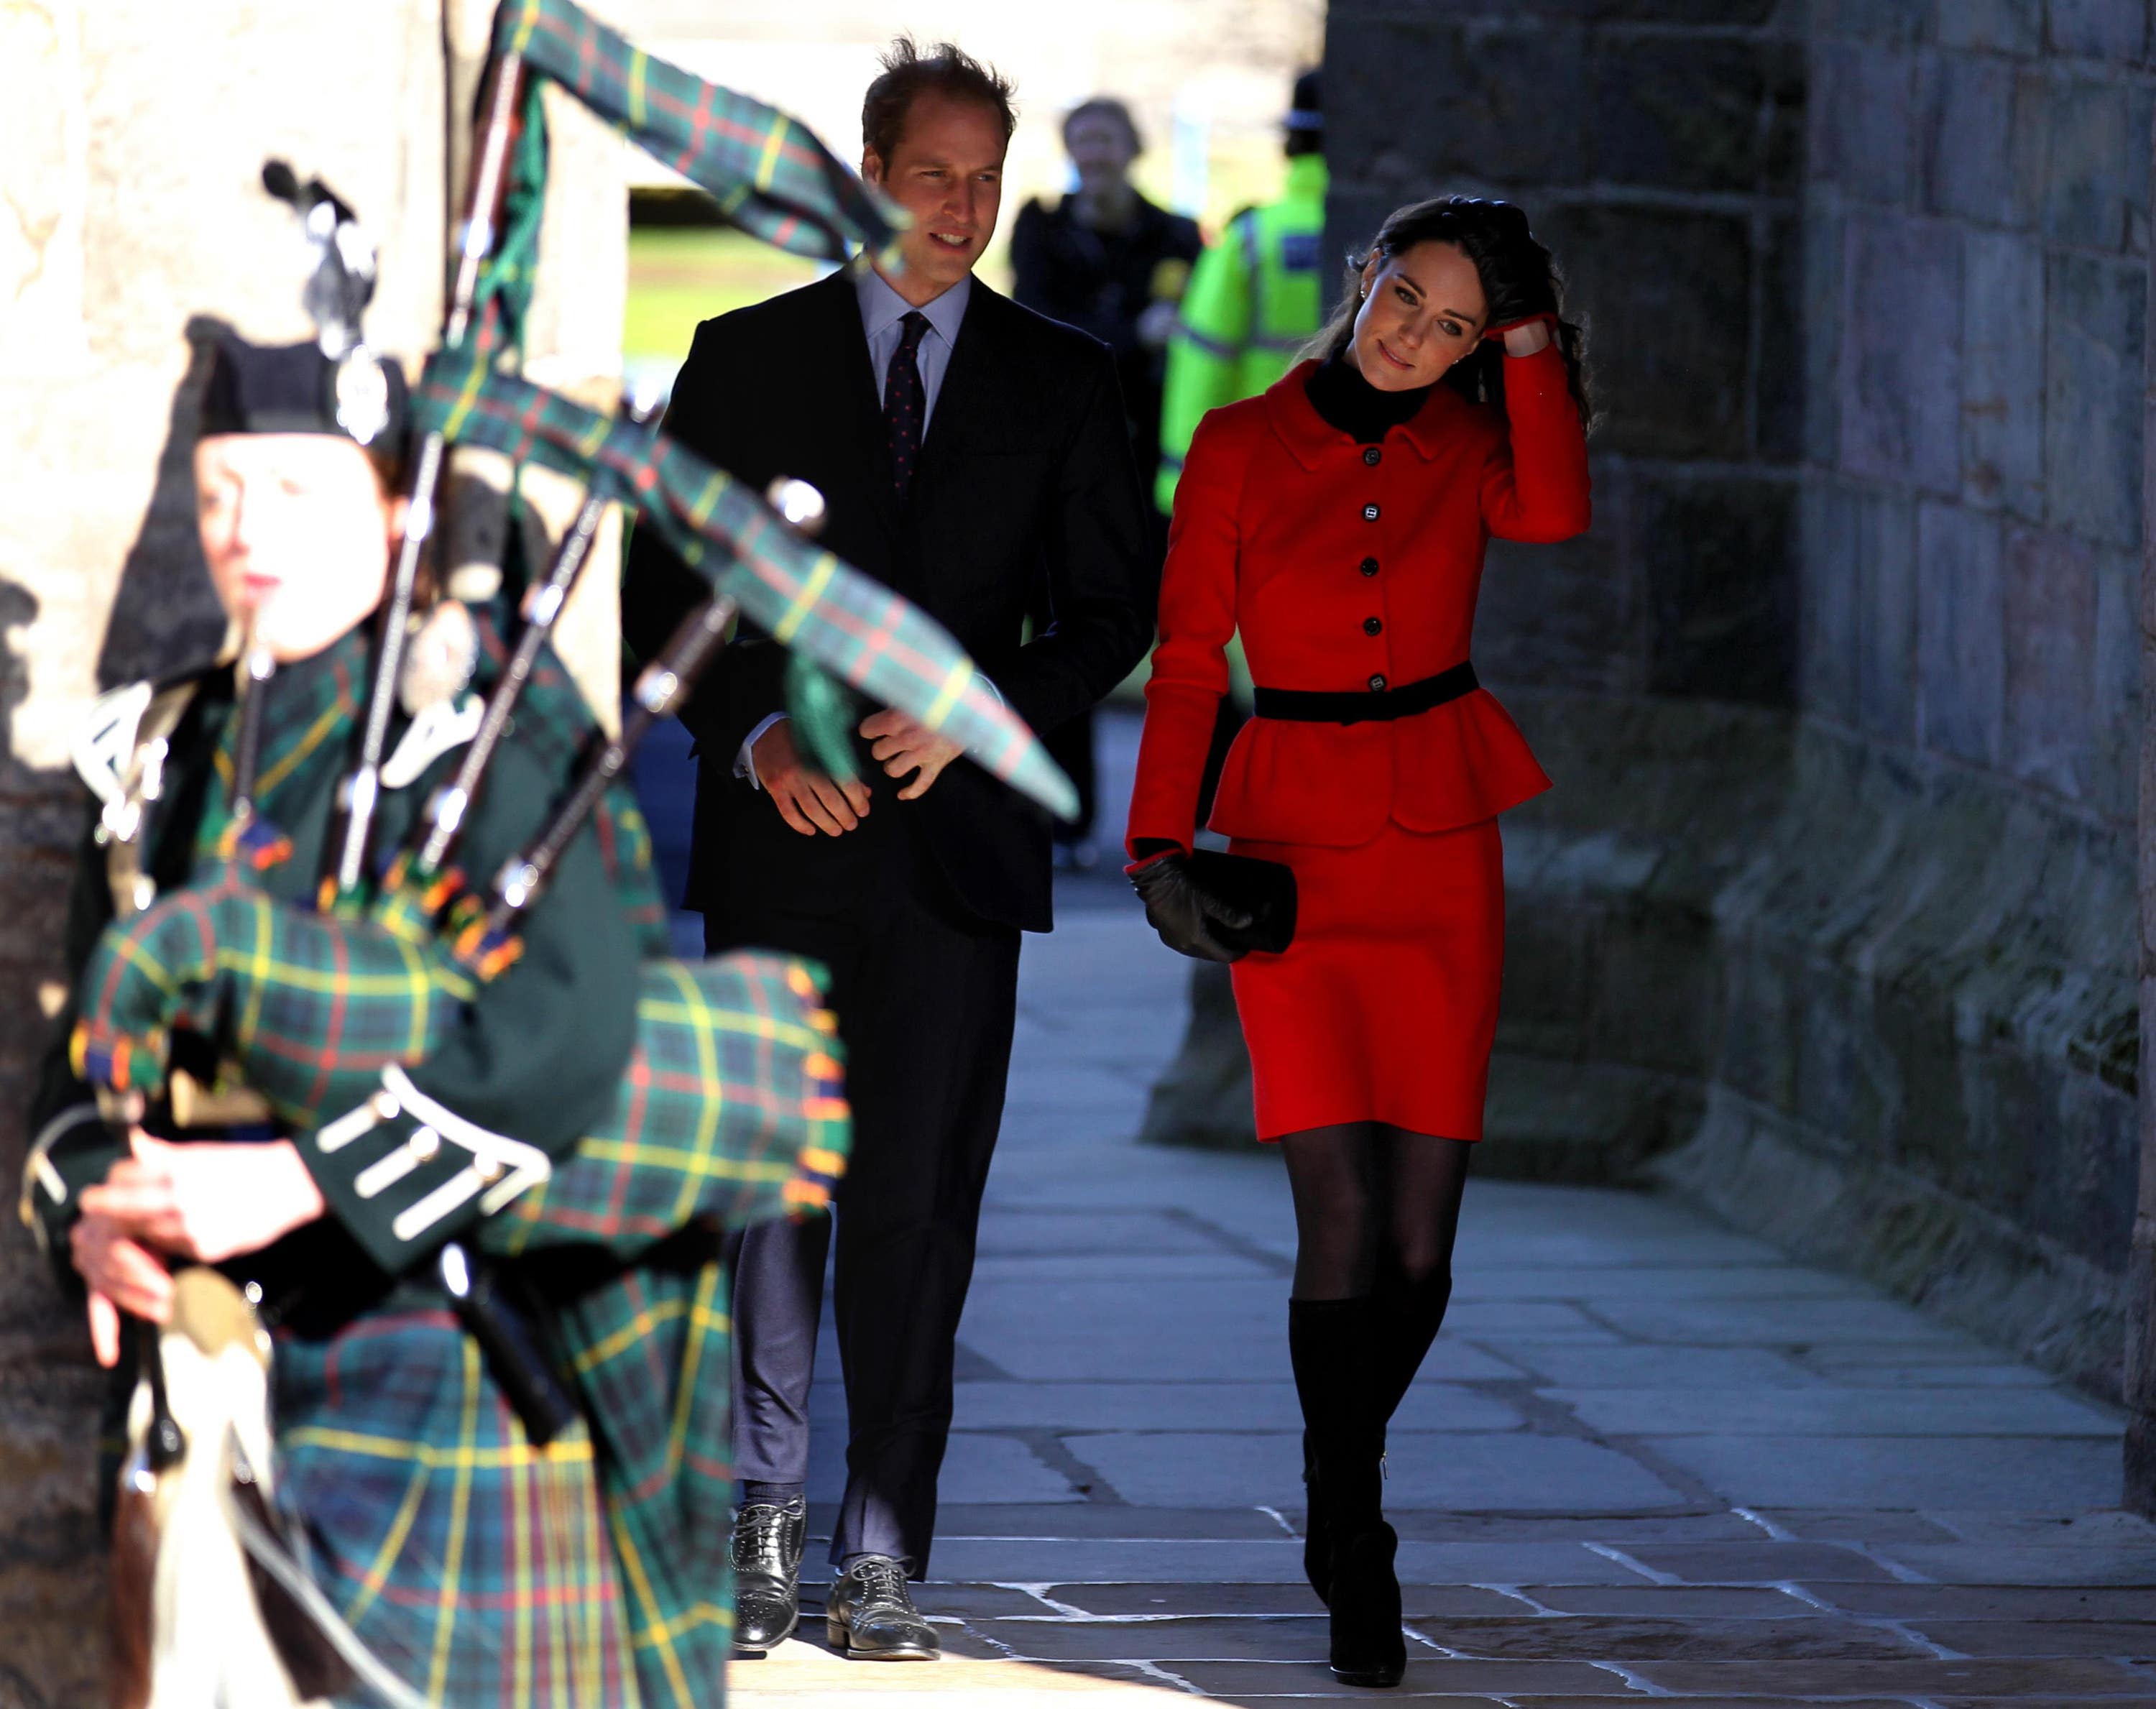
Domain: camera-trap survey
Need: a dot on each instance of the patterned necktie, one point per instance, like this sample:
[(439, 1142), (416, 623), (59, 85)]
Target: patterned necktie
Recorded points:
[(906, 404)]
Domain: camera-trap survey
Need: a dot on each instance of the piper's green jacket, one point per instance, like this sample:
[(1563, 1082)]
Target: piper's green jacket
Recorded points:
[(1255, 299), (540, 1058)]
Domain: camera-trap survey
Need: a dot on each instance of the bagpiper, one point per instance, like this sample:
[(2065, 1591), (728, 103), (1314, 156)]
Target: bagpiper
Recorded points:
[(493, 1466)]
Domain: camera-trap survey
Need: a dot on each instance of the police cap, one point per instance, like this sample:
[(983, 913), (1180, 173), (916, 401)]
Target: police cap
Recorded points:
[(1307, 111)]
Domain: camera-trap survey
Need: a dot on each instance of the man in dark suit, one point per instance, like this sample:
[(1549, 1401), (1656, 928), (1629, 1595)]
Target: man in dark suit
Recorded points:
[(973, 455)]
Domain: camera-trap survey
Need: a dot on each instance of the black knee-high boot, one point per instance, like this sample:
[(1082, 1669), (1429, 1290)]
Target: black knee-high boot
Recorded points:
[(1335, 1346), (1408, 1316)]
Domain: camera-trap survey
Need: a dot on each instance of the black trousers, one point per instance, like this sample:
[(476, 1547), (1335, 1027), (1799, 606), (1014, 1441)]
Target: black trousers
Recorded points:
[(926, 996)]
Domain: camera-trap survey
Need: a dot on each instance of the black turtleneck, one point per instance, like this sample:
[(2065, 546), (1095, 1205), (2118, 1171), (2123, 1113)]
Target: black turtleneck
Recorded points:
[(1347, 401)]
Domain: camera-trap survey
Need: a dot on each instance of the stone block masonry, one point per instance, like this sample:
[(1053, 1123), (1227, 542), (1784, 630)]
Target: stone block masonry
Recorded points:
[(1834, 904)]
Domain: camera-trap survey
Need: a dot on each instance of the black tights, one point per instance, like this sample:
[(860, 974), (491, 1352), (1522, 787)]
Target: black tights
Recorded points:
[(1375, 1206)]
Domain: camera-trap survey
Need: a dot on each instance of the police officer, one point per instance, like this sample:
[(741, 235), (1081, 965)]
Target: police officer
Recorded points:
[(1255, 298), (1109, 262)]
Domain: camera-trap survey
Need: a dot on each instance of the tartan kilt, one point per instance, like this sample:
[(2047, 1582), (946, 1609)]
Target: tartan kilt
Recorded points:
[(476, 1567), (482, 1570), (594, 1571)]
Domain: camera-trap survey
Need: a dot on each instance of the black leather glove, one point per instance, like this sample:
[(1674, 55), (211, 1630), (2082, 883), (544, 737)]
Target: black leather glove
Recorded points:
[(1516, 273), (1183, 911)]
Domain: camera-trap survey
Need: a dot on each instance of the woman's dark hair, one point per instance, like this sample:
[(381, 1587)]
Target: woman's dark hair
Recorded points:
[(1105, 106), (908, 73), (1495, 236)]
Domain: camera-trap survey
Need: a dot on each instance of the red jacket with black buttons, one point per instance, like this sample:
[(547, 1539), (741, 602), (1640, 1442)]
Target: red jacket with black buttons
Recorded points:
[(1339, 570)]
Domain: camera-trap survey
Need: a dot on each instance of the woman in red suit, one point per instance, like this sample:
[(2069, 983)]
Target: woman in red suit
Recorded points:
[(1338, 521)]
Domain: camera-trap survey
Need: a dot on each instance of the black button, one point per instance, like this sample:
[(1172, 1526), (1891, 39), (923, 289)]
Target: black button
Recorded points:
[(1373, 625), (1376, 685), (1372, 455), (1369, 566), (1369, 513)]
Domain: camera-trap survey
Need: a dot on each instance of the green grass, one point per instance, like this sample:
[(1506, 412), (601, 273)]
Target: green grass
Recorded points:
[(678, 277)]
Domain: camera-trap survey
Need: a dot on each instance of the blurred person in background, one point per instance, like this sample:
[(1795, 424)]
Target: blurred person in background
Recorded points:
[(1337, 524), (1107, 261)]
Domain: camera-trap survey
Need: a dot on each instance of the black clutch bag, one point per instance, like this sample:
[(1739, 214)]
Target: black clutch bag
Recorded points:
[(1265, 890)]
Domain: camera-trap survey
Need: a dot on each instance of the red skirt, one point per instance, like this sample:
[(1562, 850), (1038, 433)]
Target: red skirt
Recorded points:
[(1384, 1007)]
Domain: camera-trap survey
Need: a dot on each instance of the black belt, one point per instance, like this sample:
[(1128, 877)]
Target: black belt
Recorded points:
[(1315, 706)]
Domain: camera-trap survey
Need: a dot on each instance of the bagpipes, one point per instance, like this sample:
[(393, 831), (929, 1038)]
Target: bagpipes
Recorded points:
[(422, 941)]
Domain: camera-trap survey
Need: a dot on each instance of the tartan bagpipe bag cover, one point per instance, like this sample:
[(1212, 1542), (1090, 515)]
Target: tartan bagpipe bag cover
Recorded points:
[(730, 1106)]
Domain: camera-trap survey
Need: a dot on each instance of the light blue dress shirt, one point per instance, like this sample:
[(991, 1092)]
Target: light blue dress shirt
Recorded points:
[(882, 309)]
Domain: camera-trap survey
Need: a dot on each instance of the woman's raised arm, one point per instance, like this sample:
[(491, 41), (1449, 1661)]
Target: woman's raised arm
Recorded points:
[(1535, 488)]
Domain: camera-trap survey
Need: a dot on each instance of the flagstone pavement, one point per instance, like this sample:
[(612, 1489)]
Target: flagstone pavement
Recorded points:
[(1649, 1459)]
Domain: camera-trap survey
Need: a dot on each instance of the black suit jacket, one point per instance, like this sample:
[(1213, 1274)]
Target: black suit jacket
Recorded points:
[(1024, 500)]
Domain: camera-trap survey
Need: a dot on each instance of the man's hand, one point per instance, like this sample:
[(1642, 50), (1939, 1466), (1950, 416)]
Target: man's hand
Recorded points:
[(122, 1276), (899, 745), (211, 1201), (806, 799)]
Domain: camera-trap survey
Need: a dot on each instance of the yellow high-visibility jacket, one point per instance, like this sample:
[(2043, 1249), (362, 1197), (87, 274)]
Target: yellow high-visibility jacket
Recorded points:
[(1255, 298)]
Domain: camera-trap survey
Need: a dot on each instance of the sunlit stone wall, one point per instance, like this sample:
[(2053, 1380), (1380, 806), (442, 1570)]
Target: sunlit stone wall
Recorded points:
[(131, 136)]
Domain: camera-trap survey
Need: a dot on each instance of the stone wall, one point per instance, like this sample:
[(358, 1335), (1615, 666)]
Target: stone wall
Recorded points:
[(1661, 157), (2141, 1274), (1976, 231), (131, 136), (1830, 914)]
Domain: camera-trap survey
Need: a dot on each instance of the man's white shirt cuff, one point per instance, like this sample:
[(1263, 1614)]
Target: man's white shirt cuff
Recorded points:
[(745, 761)]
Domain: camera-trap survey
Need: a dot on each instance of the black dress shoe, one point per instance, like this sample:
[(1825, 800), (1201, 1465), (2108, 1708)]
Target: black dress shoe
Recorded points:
[(871, 1617), (1368, 1646), (768, 1544)]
